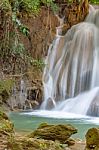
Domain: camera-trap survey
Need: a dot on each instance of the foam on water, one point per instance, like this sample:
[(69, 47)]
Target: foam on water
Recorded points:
[(63, 115)]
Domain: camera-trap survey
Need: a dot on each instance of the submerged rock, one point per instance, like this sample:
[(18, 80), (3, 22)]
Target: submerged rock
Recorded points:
[(92, 139), (94, 107), (59, 132)]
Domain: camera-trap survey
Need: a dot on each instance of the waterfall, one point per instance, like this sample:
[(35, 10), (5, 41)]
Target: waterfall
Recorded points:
[(71, 74)]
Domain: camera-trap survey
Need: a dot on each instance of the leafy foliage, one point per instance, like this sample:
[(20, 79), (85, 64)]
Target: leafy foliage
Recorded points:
[(94, 1), (11, 46), (5, 5), (32, 5), (12, 50), (6, 85), (38, 63)]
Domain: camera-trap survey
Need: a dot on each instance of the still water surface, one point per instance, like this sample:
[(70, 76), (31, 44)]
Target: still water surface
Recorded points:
[(28, 121)]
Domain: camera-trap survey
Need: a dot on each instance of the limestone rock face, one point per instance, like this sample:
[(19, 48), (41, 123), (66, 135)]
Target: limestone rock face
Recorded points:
[(59, 132), (73, 13), (92, 139), (43, 27)]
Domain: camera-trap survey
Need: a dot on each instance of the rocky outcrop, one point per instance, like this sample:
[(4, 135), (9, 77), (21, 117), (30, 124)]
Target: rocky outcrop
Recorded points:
[(6, 130), (34, 97), (59, 132), (73, 13), (42, 31), (92, 139), (43, 26), (94, 107), (24, 143), (10, 140), (5, 92), (55, 137), (27, 90), (6, 126)]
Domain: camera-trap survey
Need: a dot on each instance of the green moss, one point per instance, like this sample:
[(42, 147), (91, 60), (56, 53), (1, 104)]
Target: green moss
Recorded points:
[(5, 125), (5, 5), (92, 138), (5, 88), (33, 144), (6, 85), (43, 125), (54, 132), (3, 116), (94, 1)]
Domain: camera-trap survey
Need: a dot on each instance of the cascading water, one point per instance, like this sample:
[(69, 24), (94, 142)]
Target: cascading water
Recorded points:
[(17, 100), (71, 74)]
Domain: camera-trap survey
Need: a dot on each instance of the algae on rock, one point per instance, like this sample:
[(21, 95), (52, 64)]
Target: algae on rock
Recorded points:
[(9, 140), (6, 126), (34, 144), (6, 130), (58, 132), (92, 139)]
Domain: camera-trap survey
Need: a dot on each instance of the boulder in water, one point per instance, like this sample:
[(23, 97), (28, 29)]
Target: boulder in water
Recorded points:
[(50, 103), (24, 143), (94, 107), (92, 139), (11, 141), (58, 132)]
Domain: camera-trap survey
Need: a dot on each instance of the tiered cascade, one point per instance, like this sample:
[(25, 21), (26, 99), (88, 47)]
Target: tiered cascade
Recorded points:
[(71, 74)]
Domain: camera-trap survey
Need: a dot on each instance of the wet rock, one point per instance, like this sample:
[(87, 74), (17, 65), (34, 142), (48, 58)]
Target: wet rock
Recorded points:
[(92, 139), (50, 103), (30, 104), (59, 132), (27, 92), (94, 107), (70, 142), (11, 141), (34, 93), (25, 143), (34, 96), (73, 13)]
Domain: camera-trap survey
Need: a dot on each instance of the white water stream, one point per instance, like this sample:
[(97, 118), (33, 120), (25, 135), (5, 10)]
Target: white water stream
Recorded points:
[(71, 74)]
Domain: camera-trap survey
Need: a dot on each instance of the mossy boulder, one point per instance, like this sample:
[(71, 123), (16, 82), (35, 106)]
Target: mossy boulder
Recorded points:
[(58, 132), (25, 143), (92, 139), (6, 131)]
